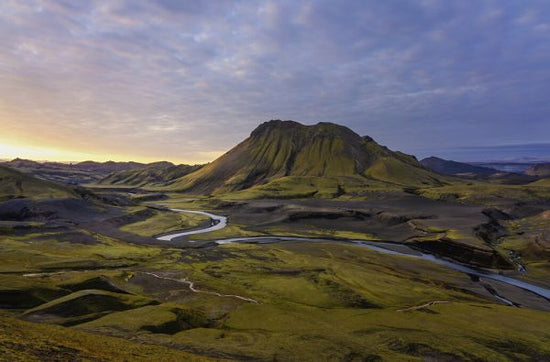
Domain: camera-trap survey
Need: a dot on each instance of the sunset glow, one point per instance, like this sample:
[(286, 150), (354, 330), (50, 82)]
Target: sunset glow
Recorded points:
[(10, 151)]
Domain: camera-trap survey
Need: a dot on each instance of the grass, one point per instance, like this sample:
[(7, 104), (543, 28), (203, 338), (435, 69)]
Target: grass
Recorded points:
[(299, 187), (528, 238), (487, 194), (333, 301), (84, 305), (22, 254), (165, 319), (395, 171), (164, 222), (24, 341), (316, 300)]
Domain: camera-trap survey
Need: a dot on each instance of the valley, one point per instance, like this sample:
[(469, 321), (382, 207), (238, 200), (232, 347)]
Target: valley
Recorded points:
[(301, 243)]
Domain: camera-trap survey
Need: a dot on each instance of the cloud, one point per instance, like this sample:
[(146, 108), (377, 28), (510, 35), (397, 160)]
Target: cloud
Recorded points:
[(187, 80)]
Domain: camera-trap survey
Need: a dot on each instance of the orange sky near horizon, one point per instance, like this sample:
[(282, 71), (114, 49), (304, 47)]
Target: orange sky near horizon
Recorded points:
[(11, 150)]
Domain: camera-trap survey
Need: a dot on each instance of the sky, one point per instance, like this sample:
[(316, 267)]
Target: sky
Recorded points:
[(185, 81)]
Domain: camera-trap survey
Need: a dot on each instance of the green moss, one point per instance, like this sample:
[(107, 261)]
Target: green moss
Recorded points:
[(164, 222), (164, 319), (393, 170), (484, 193), (24, 341), (84, 305)]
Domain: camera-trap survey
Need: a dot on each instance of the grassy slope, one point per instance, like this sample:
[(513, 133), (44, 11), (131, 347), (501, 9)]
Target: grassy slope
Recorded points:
[(393, 170), (24, 341), (15, 184), (163, 222), (84, 305)]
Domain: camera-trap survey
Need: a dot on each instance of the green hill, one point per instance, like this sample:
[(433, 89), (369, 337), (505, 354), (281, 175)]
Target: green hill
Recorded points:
[(158, 173), (282, 149), (14, 184)]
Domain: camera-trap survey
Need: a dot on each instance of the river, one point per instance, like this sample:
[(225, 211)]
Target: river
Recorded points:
[(219, 222)]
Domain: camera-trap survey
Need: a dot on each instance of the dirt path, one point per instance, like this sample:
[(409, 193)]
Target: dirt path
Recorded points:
[(195, 290), (423, 306)]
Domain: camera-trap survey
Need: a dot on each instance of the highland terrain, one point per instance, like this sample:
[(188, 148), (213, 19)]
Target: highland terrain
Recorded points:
[(301, 243)]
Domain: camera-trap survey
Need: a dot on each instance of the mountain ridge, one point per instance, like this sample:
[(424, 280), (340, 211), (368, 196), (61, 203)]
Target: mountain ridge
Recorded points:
[(156, 173)]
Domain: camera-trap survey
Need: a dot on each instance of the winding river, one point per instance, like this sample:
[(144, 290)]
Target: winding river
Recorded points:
[(219, 222)]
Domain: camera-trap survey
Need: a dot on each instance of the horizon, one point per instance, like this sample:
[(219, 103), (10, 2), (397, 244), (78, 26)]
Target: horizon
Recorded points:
[(186, 81), (459, 154)]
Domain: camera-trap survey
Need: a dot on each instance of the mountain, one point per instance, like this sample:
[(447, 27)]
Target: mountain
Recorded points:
[(287, 150), (539, 170), (158, 173), (78, 173), (448, 167)]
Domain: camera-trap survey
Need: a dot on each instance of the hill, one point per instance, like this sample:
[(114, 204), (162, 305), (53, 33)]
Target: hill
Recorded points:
[(295, 153), (448, 167), (539, 170), (15, 184), (158, 173), (25, 341)]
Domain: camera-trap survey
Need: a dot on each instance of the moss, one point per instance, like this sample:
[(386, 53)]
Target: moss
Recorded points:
[(163, 222), (84, 305), (24, 341)]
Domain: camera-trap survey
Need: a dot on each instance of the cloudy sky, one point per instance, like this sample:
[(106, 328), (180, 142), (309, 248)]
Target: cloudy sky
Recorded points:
[(187, 80)]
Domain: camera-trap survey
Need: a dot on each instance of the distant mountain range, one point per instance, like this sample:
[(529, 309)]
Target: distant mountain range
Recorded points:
[(504, 154), (71, 173), (525, 174), (279, 156), (448, 167)]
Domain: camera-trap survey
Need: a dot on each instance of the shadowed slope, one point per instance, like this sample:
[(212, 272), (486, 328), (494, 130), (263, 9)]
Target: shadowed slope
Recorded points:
[(14, 184), (448, 167)]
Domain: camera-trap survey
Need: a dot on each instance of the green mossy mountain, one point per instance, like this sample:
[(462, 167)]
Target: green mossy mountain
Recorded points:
[(281, 149)]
